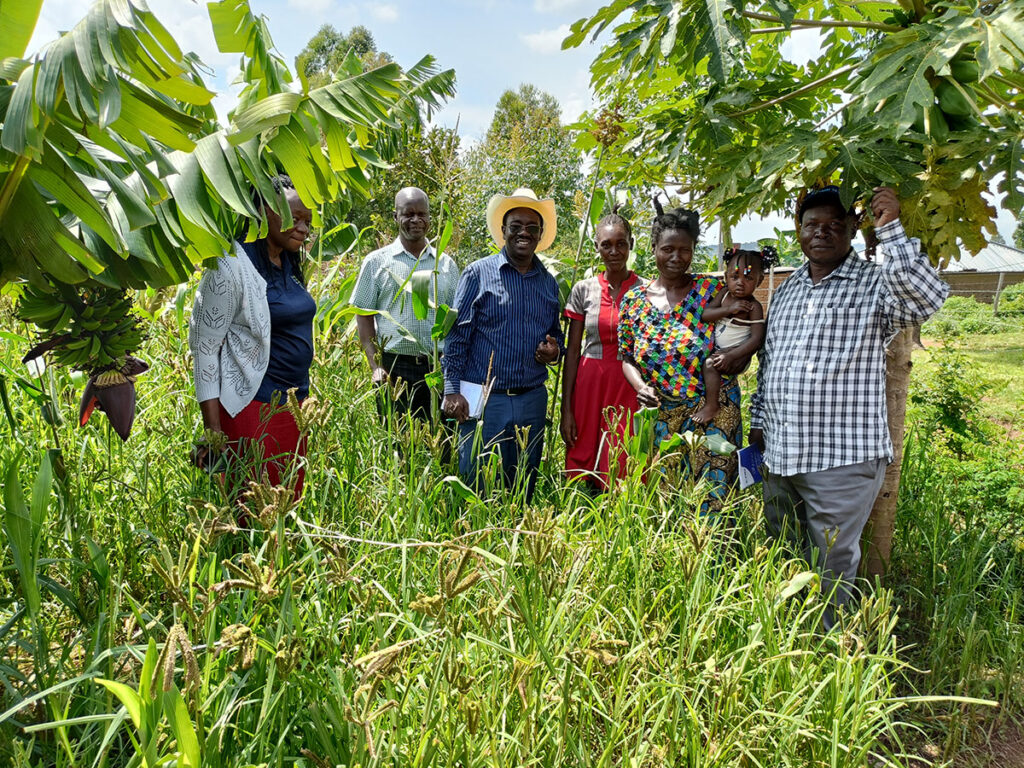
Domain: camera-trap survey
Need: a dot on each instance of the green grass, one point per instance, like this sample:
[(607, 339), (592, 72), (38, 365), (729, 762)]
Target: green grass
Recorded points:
[(391, 618), (1000, 360)]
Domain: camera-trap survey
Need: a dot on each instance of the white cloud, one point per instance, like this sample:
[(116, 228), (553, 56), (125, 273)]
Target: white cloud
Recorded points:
[(802, 46), (311, 6), (546, 40), (384, 12), (552, 6)]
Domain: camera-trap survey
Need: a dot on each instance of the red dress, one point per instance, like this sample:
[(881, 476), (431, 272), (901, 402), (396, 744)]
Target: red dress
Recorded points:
[(268, 437), (602, 399)]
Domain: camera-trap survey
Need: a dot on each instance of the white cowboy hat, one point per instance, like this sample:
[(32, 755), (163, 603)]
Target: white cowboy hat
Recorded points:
[(523, 197)]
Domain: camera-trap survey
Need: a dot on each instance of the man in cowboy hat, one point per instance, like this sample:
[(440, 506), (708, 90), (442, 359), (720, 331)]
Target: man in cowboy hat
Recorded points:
[(506, 333), (819, 410)]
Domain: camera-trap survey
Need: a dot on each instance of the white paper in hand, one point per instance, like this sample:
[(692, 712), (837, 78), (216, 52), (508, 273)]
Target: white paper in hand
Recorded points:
[(476, 396)]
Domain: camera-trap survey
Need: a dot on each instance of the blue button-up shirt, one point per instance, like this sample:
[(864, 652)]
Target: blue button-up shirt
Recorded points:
[(504, 313)]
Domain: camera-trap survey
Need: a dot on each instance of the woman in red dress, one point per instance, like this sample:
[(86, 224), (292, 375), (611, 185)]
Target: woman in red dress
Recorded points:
[(596, 398)]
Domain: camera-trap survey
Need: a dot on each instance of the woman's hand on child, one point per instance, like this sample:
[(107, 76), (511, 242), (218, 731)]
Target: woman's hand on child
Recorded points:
[(728, 364)]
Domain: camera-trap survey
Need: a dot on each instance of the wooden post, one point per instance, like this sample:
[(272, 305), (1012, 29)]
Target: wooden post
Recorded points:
[(999, 290), (876, 543)]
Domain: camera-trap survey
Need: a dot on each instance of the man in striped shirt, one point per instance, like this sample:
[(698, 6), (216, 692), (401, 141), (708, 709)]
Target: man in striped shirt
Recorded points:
[(819, 411), (506, 333)]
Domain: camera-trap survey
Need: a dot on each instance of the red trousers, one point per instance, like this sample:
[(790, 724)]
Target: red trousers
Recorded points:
[(268, 437)]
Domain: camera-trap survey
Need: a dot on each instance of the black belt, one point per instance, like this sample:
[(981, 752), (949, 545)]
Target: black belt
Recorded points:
[(407, 359), (513, 391)]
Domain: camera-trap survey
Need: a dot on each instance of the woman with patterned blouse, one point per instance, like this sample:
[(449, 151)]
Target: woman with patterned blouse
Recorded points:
[(663, 342), (251, 336), (596, 398)]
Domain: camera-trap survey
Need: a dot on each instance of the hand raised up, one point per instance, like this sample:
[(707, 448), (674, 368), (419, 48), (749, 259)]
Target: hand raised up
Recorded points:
[(885, 206)]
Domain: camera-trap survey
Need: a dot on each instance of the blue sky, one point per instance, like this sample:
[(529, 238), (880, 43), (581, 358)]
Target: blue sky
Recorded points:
[(492, 45)]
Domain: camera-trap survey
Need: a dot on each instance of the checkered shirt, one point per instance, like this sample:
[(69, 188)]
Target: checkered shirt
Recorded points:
[(381, 275), (821, 375)]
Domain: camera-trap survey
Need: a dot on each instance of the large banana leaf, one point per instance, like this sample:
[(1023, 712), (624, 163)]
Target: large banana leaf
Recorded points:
[(114, 172)]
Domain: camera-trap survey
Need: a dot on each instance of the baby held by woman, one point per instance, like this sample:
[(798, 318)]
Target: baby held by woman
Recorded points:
[(738, 319)]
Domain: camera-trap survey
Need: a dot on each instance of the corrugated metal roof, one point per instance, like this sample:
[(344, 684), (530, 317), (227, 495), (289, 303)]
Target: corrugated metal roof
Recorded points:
[(994, 257)]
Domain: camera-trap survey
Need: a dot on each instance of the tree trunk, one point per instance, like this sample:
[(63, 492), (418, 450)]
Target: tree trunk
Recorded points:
[(877, 539)]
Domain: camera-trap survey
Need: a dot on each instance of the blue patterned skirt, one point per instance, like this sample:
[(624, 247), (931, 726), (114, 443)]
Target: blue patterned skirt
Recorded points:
[(676, 416)]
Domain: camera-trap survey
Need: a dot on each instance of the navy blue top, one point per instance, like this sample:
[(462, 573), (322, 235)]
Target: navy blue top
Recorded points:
[(505, 312), (291, 331)]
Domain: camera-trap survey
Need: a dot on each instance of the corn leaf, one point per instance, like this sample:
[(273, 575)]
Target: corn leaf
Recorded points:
[(131, 701), (19, 526)]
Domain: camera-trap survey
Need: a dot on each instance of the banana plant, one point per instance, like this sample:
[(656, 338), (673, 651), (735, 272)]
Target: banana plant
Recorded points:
[(114, 173)]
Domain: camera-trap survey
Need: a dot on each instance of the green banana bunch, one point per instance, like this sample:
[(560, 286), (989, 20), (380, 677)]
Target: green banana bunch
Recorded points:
[(90, 329)]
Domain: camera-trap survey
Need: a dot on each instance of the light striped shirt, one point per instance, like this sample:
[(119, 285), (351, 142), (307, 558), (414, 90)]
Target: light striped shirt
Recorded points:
[(821, 375), (503, 313), (377, 288)]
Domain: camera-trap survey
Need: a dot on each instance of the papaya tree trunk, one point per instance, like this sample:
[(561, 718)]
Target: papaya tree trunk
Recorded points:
[(877, 540)]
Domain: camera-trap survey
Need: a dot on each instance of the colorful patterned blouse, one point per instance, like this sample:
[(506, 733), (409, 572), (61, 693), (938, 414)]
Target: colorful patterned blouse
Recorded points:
[(669, 349)]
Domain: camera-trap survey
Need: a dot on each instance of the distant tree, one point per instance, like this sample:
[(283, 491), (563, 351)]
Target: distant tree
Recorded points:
[(526, 146), (1018, 235), (326, 51), (429, 161), (528, 109)]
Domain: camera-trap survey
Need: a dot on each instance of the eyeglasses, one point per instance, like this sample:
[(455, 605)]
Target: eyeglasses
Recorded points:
[(533, 230)]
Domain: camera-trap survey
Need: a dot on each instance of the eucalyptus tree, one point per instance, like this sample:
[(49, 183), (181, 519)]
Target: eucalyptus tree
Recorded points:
[(923, 95), (115, 174)]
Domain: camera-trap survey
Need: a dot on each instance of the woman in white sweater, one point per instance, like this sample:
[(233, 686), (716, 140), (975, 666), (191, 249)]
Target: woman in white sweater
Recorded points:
[(251, 336)]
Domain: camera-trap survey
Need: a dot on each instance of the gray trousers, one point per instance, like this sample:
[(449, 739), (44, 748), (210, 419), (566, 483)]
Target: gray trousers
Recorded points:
[(823, 514)]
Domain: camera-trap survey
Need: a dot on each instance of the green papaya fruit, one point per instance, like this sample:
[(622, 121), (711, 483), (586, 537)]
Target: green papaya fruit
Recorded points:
[(952, 101), (962, 123), (935, 124), (964, 70)]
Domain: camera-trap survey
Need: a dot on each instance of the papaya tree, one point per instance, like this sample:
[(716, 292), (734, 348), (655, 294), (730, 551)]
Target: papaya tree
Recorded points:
[(923, 95), (115, 174)]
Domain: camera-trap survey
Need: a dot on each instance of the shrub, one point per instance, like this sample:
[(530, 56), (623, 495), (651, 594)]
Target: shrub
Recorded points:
[(949, 396), (963, 315), (1011, 300)]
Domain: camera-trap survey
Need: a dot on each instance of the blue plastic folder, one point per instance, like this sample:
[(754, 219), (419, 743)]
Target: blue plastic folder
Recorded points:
[(750, 461)]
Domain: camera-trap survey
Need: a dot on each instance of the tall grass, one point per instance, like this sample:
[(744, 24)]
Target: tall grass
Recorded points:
[(393, 618)]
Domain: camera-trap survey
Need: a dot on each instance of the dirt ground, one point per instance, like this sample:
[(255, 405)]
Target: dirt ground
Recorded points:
[(1004, 750)]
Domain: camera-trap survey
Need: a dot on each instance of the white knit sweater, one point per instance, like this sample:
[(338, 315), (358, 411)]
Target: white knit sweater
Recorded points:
[(229, 332)]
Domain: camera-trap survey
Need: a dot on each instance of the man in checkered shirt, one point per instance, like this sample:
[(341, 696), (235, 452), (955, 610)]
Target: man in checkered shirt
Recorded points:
[(819, 411)]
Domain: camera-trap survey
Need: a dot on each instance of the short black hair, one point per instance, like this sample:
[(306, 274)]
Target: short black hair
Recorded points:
[(764, 259), (681, 219), (615, 219)]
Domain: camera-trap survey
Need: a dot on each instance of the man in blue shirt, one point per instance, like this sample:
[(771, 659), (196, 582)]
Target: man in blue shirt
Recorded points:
[(507, 332)]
